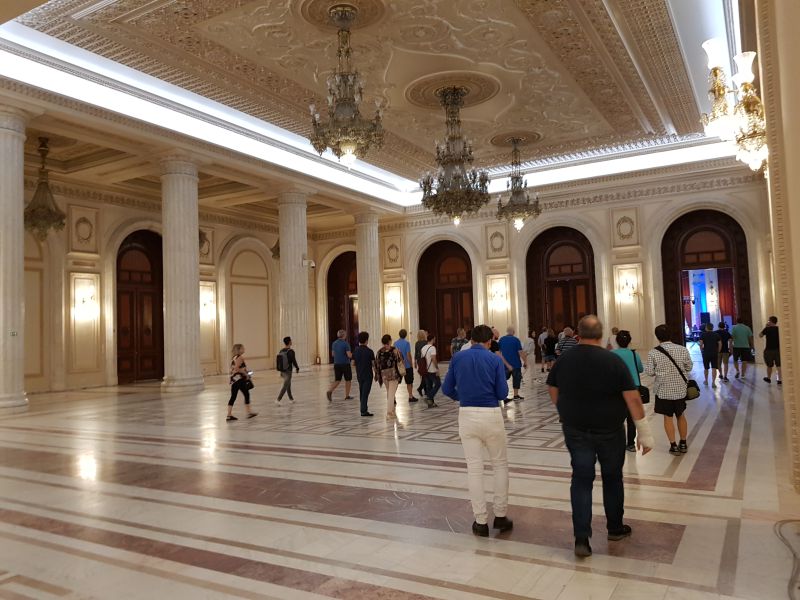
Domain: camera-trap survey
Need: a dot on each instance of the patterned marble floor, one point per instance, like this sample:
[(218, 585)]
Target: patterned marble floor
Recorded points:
[(126, 493)]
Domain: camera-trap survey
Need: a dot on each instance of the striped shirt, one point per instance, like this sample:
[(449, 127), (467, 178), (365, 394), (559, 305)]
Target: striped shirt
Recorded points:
[(669, 384), (565, 344)]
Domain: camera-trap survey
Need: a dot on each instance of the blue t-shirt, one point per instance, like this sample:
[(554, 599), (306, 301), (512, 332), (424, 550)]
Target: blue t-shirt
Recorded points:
[(404, 346), (509, 348), (339, 349), (476, 377)]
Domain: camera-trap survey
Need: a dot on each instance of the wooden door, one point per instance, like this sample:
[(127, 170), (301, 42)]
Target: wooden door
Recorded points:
[(140, 329)]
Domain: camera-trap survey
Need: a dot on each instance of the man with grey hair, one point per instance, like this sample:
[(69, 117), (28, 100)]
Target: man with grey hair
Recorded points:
[(342, 355), (593, 391), (515, 357), (566, 342)]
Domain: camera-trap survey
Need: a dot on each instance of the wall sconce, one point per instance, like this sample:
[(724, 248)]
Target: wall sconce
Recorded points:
[(628, 289), (498, 298), (208, 306), (86, 307), (394, 303)]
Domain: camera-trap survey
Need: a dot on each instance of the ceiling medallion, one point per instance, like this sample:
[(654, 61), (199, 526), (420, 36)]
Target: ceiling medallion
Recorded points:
[(317, 12), (456, 190), (345, 132), (519, 205), (525, 137), (42, 212), (480, 88)]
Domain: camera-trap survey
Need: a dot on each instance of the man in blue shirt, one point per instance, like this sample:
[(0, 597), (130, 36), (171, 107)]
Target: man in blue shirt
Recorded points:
[(477, 380), (340, 351), (511, 349), (404, 347)]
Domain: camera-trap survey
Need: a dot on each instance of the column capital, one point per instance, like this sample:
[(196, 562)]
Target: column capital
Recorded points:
[(178, 164), (13, 119), (295, 195), (366, 217)]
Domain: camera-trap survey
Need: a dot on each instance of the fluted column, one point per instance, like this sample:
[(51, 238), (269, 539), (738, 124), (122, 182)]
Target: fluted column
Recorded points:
[(12, 253), (181, 252), (369, 276), (292, 206)]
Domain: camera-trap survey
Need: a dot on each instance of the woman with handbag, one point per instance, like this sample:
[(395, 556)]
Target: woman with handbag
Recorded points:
[(388, 364), (240, 382), (635, 366)]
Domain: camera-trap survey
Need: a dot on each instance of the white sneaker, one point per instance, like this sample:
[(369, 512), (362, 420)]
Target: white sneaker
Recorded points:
[(278, 402)]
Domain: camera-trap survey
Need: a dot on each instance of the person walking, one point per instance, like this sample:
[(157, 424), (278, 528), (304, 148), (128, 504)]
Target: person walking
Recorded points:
[(458, 342), (634, 363), (549, 352), (515, 357), (540, 340), (386, 361), (364, 359), (566, 342), (241, 381), (772, 350), (529, 348), (404, 348), (711, 346), (342, 355), (611, 343), (725, 351), (594, 392), (742, 339), (668, 362), (286, 360), (476, 379), (432, 380), (422, 340)]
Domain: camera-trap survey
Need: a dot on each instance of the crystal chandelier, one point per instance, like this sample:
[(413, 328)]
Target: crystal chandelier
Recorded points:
[(519, 205), (345, 132), (42, 212), (745, 125), (456, 190)]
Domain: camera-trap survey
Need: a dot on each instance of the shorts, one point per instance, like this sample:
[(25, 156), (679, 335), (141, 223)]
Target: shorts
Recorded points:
[(743, 354), (409, 376), (549, 358), (516, 377), (772, 358), (710, 361), (345, 371), (669, 408), (724, 357)]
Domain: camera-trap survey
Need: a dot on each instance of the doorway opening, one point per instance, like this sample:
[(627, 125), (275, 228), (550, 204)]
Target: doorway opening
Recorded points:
[(343, 298), (140, 308), (444, 277)]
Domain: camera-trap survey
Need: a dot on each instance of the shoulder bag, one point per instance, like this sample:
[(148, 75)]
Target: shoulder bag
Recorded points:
[(644, 391), (692, 389), (422, 364), (400, 364)]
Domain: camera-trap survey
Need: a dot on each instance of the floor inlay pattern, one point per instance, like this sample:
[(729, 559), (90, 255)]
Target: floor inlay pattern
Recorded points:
[(127, 493)]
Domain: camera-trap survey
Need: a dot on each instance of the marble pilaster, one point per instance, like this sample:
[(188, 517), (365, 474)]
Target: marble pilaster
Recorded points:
[(292, 223), (369, 276), (181, 252), (12, 252)]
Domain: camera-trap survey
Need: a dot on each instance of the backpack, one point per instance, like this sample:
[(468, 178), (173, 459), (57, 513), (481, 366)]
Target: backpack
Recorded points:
[(422, 364), (282, 361)]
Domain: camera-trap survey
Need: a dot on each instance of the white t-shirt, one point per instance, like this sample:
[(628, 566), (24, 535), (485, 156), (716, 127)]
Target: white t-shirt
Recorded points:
[(428, 352), (612, 341), (466, 346), (542, 338)]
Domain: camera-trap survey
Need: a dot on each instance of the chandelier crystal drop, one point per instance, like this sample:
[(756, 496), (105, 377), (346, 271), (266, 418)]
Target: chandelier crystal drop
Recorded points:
[(519, 206), (456, 189), (42, 213), (345, 131)]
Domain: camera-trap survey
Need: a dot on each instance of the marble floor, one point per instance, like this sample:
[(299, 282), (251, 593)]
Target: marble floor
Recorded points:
[(127, 493)]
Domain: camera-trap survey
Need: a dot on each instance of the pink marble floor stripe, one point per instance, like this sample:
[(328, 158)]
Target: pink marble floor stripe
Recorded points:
[(332, 587), (549, 527)]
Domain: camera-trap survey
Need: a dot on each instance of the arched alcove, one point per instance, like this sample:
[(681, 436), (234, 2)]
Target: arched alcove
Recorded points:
[(342, 284)]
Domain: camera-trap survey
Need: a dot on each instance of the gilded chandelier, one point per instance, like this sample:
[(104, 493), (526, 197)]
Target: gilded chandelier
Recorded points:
[(42, 212), (519, 205), (345, 131), (456, 190), (745, 124)]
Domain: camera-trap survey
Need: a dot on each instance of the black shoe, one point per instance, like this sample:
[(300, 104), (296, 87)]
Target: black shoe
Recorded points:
[(348, 397), (518, 398), (503, 524), (618, 534), (395, 402), (737, 375), (582, 547), (231, 418), (412, 399), (367, 414), (480, 529), (506, 400), (779, 382), (330, 396), (767, 379), (251, 415), (542, 369), (683, 447), (673, 449), (631, 447)]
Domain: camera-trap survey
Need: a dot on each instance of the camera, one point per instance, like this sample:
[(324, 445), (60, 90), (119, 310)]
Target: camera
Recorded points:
[(309, 263)]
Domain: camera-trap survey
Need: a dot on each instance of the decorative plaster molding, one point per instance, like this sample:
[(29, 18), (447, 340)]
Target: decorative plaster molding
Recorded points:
[(336, 234)]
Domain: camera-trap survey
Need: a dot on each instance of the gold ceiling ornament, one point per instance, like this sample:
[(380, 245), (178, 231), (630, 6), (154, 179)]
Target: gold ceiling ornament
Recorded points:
[(346, 132), (745, 125), (42, 212), (519, 206), (457, 189)]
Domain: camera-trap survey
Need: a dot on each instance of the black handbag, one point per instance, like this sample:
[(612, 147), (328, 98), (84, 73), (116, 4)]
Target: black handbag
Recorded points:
[(249, 385), (692, 389), (644, 391)]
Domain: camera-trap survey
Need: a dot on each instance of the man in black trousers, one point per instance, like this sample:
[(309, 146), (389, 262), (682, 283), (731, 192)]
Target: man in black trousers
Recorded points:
[(364, 358)]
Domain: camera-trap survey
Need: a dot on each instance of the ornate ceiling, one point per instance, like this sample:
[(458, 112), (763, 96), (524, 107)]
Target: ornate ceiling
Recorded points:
[(568, 75)]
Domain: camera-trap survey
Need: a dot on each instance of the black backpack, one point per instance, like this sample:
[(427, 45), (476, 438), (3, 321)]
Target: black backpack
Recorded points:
[(282, 361)]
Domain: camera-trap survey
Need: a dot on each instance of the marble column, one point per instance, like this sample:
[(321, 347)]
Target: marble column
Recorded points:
[(181, 252), (292, 206), (12, 253), (368, 271)]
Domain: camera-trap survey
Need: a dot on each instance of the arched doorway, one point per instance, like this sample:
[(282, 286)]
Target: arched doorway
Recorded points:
[(560, 276), (140, 314), (444, 277), (343, 298), (706, 273)]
